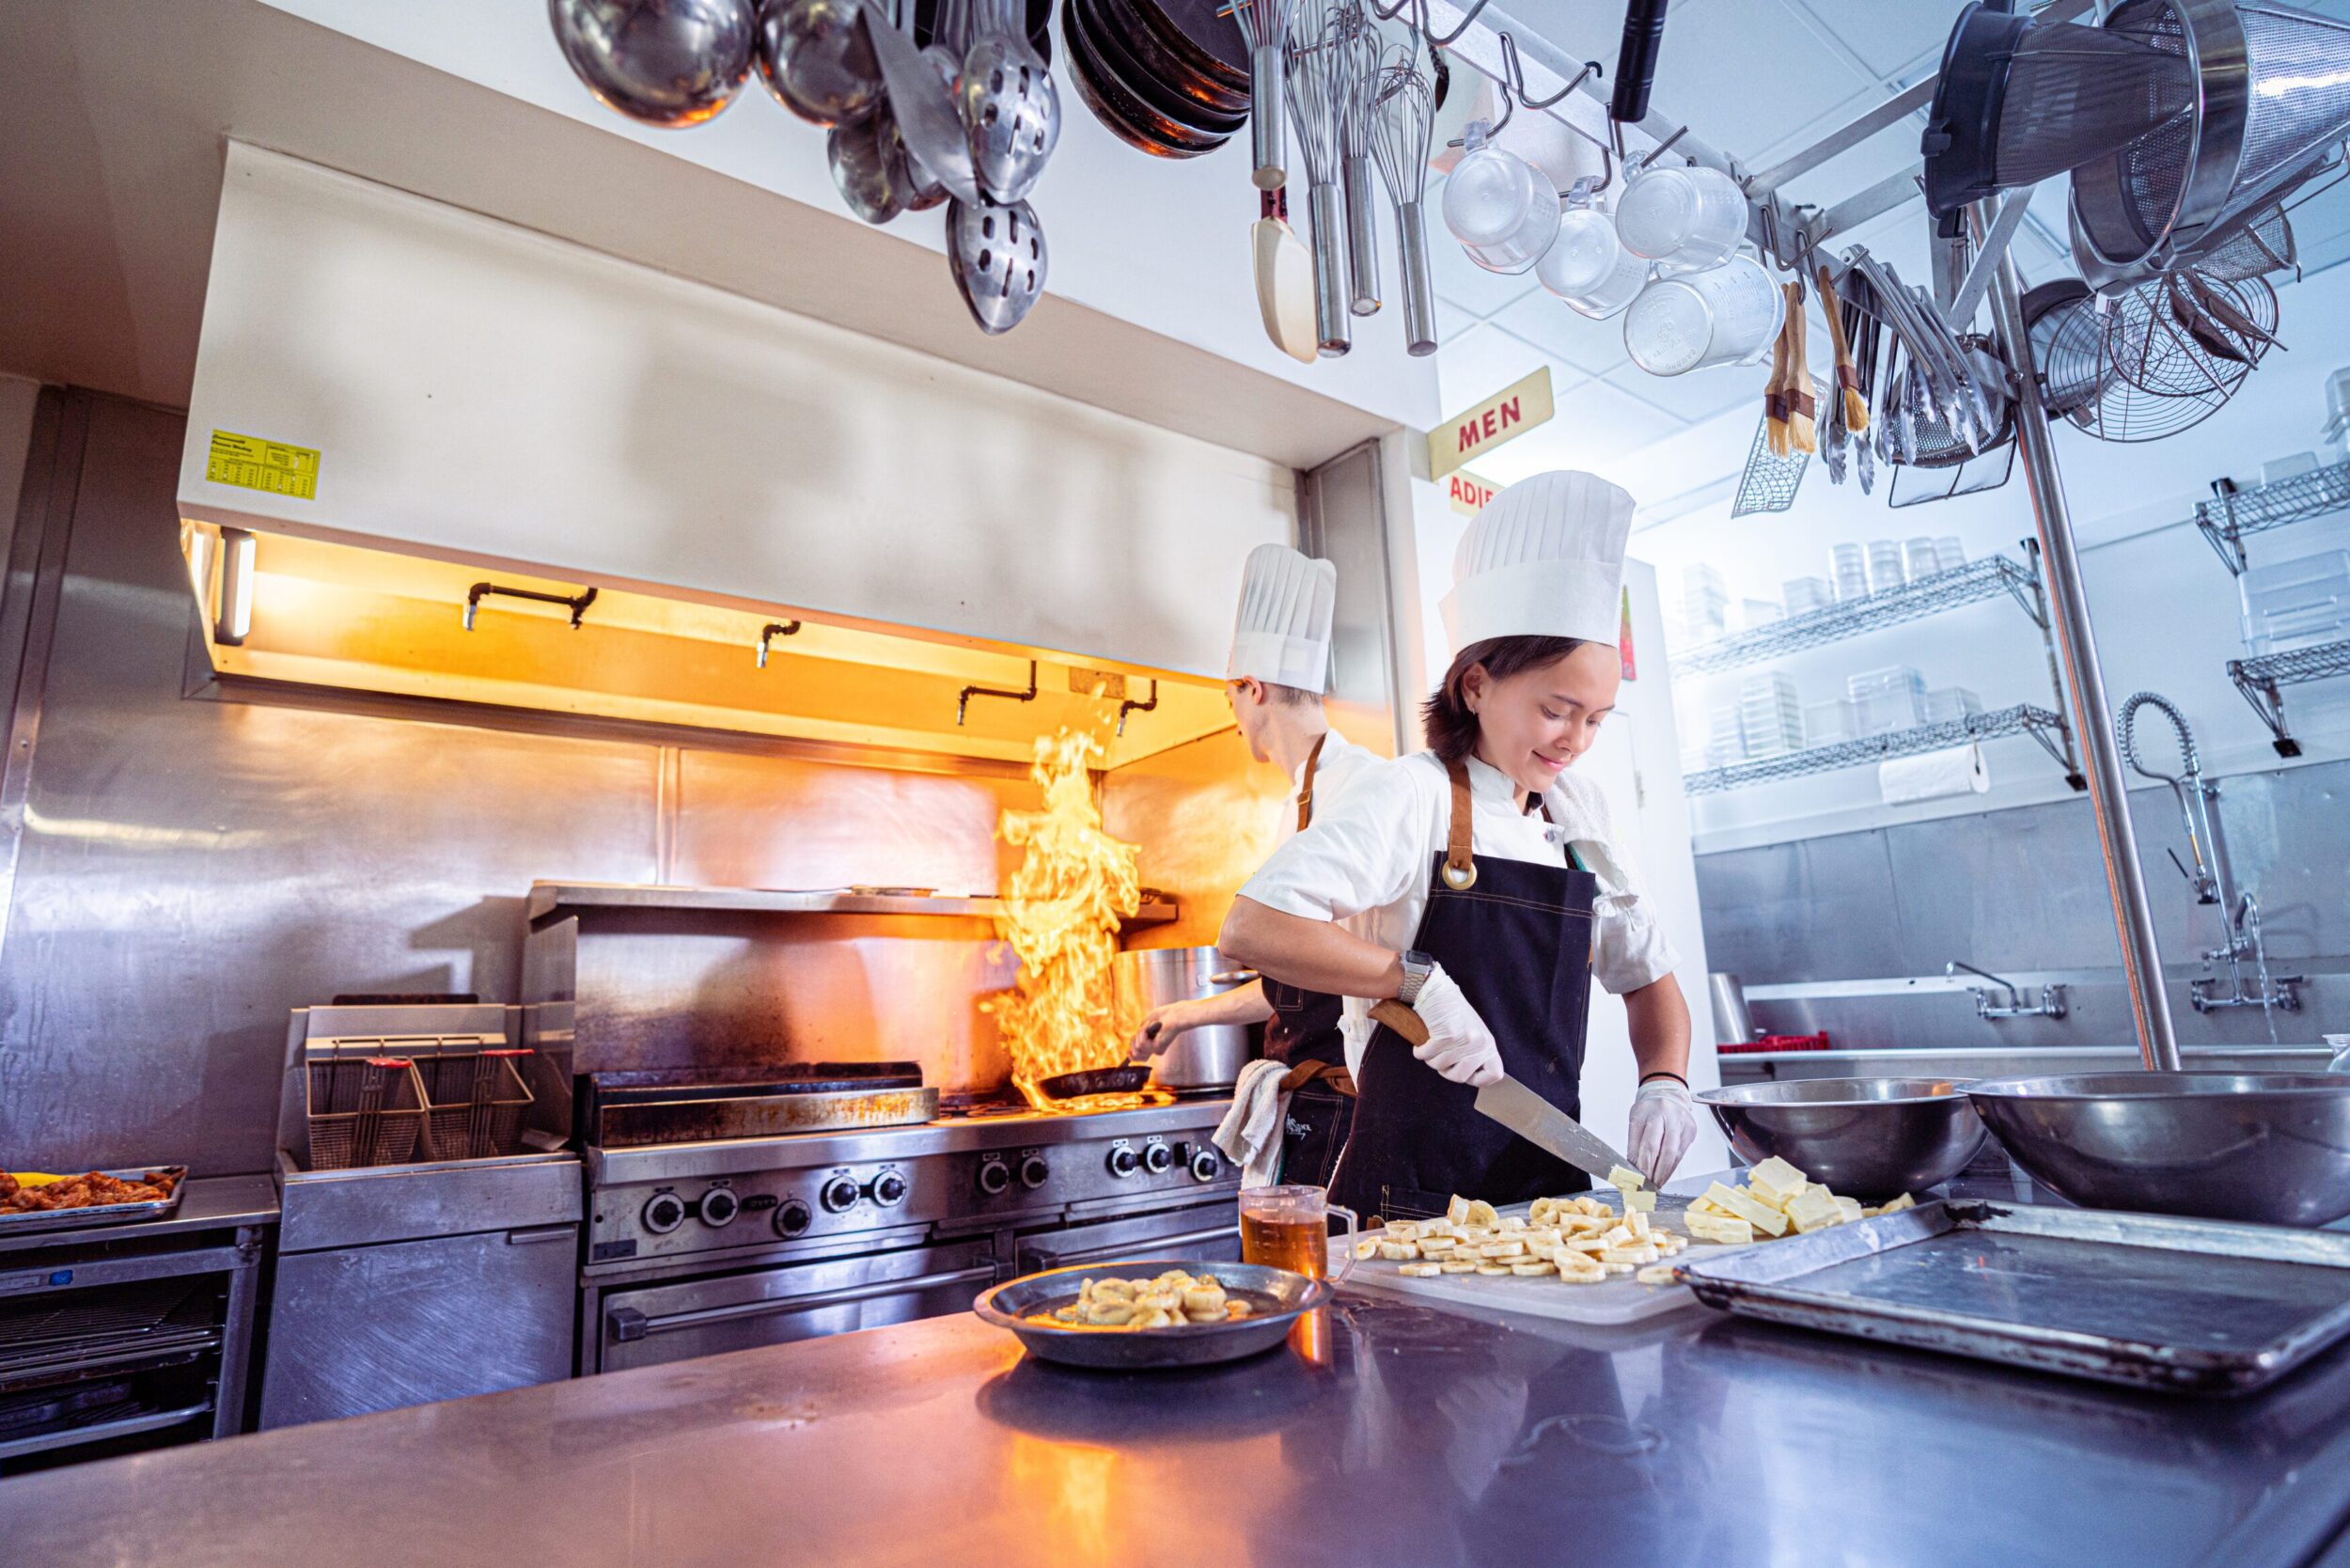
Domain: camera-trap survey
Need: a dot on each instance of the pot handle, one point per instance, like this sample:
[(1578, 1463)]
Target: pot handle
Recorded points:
[(1232, 976)]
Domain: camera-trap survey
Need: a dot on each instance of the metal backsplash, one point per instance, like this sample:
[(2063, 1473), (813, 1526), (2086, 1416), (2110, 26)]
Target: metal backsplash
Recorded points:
[(1851, 932), (176, 874)]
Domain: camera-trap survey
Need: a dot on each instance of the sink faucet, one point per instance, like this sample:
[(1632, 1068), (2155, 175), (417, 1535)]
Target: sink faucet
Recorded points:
[(2051, 996), (2211, 877)]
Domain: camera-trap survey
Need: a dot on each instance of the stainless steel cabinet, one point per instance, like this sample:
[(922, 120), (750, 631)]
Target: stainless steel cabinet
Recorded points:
[(366, 1328)]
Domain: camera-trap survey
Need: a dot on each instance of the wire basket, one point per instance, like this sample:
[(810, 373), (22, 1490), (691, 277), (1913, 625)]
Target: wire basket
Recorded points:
[(475, 1102), (362, 1110), (1770, 480)]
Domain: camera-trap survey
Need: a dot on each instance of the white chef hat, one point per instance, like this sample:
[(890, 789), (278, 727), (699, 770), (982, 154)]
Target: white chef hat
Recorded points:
[(1282, 633), (1542, 559)]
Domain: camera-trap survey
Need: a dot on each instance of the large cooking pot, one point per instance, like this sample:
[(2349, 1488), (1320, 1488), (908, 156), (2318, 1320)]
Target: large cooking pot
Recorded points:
[(1202, 1058)]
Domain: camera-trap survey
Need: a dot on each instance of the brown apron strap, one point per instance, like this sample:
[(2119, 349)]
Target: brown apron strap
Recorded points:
[(1460, 866), (1306, 784), (1306, 1072)]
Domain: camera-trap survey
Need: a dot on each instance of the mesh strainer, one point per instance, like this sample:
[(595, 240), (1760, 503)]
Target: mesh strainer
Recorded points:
[(2273, 96)]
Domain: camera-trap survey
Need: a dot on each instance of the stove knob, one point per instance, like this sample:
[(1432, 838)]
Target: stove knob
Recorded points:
[(1205, 1166), (889, 1189), (1033, 1172), (664, 1213), (1157, 1158), (1123, 1161), (793, 1217), (994, 1178), (719, 1205), (839, 1193)]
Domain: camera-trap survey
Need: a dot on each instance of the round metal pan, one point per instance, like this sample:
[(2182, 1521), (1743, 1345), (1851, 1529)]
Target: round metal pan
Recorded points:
[(1114, 43), (1115, 22), (1277, 1298), (1212, 46), (1040, 19), (1121, 112), (1127, 1079)]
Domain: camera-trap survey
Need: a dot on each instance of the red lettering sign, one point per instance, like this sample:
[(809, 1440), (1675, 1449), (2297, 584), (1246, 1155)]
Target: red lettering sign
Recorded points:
[(1468, 436), (1509, 414)]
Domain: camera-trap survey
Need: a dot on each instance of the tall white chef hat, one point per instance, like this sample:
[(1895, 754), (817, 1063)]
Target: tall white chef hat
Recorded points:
[(1542, 559), (1282, 633)]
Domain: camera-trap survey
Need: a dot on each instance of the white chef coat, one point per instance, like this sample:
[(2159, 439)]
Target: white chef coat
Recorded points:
[(1365, 862), (1340, 760)]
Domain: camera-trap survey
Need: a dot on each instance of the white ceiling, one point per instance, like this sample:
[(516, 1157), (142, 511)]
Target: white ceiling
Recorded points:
[(1760, 80)]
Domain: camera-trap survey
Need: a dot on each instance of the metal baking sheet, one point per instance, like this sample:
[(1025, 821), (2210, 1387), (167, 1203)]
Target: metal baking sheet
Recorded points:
[(2143, 1300), (102, 1213)]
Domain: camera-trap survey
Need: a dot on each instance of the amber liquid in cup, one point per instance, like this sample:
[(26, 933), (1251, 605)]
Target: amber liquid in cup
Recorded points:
[(1290, 1227)]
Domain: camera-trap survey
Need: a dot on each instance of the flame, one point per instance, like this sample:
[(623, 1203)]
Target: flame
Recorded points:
[(1061, 918)]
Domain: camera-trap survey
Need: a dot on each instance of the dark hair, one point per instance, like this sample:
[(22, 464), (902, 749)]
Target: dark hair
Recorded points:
[(1451, 728), (1288, 696)]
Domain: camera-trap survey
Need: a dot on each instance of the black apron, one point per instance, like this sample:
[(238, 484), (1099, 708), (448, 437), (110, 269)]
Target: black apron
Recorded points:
[(1304, 1034), (1516, 937)]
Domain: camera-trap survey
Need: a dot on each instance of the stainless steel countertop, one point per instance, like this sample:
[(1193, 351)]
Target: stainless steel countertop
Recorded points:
[(1384, 1433)]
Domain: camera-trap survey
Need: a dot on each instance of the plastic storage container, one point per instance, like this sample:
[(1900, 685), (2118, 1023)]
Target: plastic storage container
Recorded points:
[(1946, 703), (1826, 723), (1770, 715), (1949, 552), (1724, 315), (1850, 564), (2295, 603), (1588, 267), (1806, 594), (1921, 558), (1504, 215), (1683, 218), (1887, 568), (1887, 699)]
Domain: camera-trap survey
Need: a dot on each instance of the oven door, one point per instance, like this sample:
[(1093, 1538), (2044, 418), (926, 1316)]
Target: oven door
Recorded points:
[(644, 1325), (1210, 1231)]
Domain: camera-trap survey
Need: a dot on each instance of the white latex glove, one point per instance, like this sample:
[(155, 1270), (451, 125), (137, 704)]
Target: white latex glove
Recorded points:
[(1460, 1047), (1663, 1124), (1161, 1027)]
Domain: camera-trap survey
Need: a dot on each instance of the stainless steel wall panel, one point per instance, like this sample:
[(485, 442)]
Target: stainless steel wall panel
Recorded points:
[(2011, 888), (1343, 519), (1823, 908)]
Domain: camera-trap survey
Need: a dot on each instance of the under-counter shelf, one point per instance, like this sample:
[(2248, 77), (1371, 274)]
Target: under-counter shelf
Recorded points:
[(2262, 681), (2046, 728), (2225, 519), (1851, 617), (548, 897)]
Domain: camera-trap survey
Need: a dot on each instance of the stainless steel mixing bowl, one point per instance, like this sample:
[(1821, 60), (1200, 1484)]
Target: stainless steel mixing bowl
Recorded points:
[(2271, 1147), (1864, 1138)]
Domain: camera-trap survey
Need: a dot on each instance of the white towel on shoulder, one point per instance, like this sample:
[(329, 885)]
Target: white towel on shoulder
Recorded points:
[(1250, 1132)]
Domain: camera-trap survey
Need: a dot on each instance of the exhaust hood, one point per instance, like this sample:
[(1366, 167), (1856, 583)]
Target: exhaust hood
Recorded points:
[(407, 419)]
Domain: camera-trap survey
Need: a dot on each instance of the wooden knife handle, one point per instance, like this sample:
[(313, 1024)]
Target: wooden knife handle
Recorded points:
[(1402, 1019)]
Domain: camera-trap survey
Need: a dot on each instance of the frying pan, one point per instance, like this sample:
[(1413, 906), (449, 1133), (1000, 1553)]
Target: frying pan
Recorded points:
[(1111, 46), (1121, 112), (1210, 46), (1125, 1079), (1124, 38)]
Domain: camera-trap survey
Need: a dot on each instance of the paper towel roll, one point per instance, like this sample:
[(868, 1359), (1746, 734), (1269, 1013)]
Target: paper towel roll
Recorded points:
[(1934, 775)]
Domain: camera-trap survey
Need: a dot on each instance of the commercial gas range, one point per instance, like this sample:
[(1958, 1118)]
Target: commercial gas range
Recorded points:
[(706, 1242)]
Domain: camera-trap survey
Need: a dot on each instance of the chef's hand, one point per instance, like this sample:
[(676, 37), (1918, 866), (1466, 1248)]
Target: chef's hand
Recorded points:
[(1663, 1124), (1161, 1027), (1459, 1045)]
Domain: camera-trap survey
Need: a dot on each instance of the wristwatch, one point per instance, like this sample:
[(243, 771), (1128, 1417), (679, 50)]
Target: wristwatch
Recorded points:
[(1418, 967)]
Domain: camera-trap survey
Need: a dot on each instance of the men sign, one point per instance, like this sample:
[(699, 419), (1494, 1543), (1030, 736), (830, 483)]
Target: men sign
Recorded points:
[(1509, 413)]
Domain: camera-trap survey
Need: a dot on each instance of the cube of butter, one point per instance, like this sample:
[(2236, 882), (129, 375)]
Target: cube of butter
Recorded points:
[(1777, 1173), (1625, 1178), (1640, 1202), (1851, 1207), (1814, 1211), (1761, 1215), (1904, 1201), (1718, 1228)]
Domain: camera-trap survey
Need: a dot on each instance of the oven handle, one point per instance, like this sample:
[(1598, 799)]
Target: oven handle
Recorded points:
[(628, 1324), (1148, 1249)]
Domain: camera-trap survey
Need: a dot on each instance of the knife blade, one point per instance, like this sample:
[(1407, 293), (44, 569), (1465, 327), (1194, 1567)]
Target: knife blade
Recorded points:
[(1546, 1127)]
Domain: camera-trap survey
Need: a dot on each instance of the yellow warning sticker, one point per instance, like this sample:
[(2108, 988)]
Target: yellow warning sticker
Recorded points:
[(252, 464)]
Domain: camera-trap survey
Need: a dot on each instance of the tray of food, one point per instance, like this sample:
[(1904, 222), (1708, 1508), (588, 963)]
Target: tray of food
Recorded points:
[(1617, 1247), (2148, 1301), (1151, 1311), (35, 1200)]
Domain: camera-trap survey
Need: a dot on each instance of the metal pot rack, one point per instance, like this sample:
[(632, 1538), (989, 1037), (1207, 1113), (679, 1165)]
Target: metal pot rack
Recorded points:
[(1791, 234)]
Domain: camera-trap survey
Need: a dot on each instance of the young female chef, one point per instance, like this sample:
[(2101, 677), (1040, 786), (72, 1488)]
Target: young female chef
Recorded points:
[(1487, 878), (1274, 678)]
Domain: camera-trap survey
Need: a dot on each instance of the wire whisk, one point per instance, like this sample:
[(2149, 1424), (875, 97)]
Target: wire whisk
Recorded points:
[(1266, 25), (1315, 77), (1402, 135), (1358, 52)]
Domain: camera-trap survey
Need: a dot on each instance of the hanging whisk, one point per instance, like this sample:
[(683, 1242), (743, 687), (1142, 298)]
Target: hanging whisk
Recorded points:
[(1314, 77), (1402, 133), (1359, 94), (1265, 23)]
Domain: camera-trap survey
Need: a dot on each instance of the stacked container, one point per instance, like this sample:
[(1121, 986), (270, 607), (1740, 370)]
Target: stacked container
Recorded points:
[(1887, 699), (1806, 594), (1826, 723), (2297, 602), (1921, 558), (1946, 703), (1850, 566), (1770, 715), (1704, 604), (1886, 571)]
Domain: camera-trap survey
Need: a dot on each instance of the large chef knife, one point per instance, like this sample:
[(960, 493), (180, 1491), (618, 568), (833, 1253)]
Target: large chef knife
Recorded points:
[(1546, 1127), (1518, 1108)]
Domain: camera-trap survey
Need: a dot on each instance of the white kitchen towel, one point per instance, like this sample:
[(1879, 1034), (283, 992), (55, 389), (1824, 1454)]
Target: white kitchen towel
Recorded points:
[(1934, 776), (1250, 1132)]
